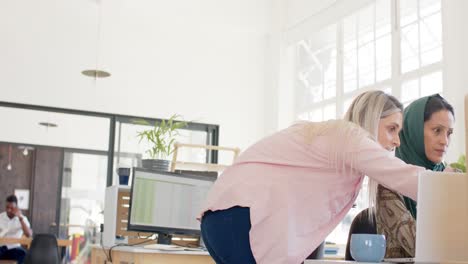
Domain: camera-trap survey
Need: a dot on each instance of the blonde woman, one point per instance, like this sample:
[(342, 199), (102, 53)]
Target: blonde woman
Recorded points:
[(287, 192)]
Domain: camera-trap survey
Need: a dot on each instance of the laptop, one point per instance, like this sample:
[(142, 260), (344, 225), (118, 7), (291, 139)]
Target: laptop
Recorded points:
[(399, 260)]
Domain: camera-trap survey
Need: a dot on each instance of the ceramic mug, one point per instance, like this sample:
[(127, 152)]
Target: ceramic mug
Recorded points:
[(368, 247)]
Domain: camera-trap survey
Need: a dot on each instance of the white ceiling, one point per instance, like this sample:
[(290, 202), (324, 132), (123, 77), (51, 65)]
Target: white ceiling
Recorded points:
[(147, 45)]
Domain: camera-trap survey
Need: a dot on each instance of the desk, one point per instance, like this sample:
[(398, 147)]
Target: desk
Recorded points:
[(322, 261), (140, 255), (27, 241)]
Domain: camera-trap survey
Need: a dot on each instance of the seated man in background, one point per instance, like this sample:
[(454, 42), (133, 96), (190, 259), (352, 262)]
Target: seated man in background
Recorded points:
[(13, 224)]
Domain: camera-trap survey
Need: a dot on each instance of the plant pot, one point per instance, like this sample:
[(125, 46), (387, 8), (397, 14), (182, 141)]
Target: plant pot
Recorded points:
[(156, 164), (123, 180), (124, 175)]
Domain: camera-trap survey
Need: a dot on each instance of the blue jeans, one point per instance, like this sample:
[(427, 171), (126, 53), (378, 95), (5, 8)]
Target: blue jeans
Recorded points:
[(226, 235), (17, 254)]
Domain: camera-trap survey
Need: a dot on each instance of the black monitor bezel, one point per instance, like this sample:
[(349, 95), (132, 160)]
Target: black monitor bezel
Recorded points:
[(162, 229)]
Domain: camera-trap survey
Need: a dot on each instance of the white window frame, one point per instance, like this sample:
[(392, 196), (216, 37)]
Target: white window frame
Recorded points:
[(397, 78)]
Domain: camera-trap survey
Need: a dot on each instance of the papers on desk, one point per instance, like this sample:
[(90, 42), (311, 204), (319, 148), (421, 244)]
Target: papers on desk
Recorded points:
[(163, 247), (170, 248), (399, 260)]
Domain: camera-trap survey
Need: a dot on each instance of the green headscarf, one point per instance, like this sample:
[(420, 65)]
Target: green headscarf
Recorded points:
[(411, 149)]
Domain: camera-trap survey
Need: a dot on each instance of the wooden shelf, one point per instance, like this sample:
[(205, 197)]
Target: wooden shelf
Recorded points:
[(181, 165), (194, 166)]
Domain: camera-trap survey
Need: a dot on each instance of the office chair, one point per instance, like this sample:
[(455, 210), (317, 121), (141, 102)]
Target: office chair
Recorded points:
[(43, 250), (361, 225)]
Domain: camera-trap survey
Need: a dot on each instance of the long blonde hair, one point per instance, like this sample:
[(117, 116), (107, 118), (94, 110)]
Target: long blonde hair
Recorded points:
[(366, 111)]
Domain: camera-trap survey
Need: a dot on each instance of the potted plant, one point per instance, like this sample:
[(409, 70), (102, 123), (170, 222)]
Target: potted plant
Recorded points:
[(161, 137), (460, 164)]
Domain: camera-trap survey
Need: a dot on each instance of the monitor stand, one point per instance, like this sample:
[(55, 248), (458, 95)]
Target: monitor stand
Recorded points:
[(164, 238)]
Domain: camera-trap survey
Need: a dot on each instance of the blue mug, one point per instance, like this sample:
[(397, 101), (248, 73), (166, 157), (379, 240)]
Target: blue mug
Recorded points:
[(368, 247)]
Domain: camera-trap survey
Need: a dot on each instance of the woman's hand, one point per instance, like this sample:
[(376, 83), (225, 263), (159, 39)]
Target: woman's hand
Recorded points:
[(450, 169)]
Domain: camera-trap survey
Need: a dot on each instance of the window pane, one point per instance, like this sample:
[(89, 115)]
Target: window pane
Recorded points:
[(70, 130), (408, 12), (383, 55), (410, 90), (382, 18), (421, 41), (350, 54), (329, 112), (431, 39), (329, 84), (347, 103), (316, 115), (428, 7), (350, 66), (365, 21), (316, 68), (366, 65), (303, 116), (387, 90), (431, 84), (409, 48), (83, 186), (303, 58), (361, 32), (316, 93), (192, 154)]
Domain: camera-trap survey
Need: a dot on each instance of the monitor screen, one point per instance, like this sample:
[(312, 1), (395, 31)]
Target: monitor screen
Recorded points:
[(165, 202)]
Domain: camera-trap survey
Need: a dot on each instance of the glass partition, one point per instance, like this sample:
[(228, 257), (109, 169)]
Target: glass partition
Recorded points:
[(47, 128), (129, 150), (87, 147)]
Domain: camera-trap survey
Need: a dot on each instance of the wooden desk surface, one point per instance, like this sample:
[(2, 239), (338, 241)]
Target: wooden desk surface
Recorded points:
[(27, 241), (140, 255)]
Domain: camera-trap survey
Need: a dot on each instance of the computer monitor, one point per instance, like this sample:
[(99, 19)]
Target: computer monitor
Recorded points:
[(167, 203)]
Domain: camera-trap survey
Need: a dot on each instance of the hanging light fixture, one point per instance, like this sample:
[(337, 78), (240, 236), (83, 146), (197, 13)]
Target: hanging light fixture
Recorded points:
[(9, 158), (26, 149), (96, 72), (47, 124)]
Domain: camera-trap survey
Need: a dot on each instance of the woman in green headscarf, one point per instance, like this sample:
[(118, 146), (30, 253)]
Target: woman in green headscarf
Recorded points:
[(424, 139)]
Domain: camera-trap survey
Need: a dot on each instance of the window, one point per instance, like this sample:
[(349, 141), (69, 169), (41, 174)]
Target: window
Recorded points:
[(421, 48), (129, 150), (389, 45), (316, 75), (421, 33)]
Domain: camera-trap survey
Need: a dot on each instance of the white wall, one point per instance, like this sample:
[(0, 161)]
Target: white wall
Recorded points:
[(455, 39), (299, 11), (202, 59)]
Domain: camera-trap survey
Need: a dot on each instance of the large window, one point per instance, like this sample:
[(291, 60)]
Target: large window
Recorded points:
[(420, 27), (390, 45), (316, 78)]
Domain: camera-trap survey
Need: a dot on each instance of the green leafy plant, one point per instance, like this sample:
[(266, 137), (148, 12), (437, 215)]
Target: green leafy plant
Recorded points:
[(161, 136), (460, 164)]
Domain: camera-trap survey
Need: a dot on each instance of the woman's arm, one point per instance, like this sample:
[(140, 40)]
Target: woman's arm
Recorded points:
[(396, 223), (368, 157)]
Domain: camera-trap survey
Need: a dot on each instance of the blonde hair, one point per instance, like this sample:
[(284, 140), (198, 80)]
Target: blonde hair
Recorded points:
[(366, 111)]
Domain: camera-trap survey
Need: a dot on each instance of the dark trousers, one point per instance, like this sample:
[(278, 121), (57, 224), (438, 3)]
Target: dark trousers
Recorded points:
[(226, 235), (17, 253)]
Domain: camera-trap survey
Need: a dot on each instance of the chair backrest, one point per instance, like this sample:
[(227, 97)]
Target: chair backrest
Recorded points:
[(318, 252), (361, 225), (43, 250)]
